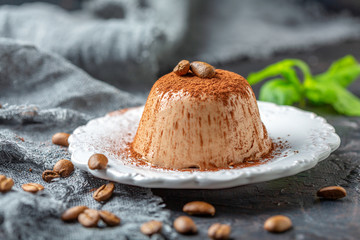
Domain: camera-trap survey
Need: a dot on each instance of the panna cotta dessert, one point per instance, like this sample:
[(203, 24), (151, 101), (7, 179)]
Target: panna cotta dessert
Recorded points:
[(198, 119)]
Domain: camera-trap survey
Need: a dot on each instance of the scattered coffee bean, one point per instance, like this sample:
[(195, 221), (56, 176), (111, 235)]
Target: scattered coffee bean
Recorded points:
[(182, 68), (64, 167), (219, 231), (49, 175), (89, 218), (97, 161), (109, 218), (199, 208), (61, 139), (73, 213), (332, 192), (278, 223), (151, 227), (202, 69), (185, 225), (5, 184), (104, 192), (32, 187)]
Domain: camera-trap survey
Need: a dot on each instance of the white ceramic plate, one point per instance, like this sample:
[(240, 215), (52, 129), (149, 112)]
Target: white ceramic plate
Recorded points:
[(310, 139)]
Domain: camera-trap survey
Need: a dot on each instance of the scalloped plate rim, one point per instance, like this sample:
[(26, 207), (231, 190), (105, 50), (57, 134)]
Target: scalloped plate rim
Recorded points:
[(197, 181)]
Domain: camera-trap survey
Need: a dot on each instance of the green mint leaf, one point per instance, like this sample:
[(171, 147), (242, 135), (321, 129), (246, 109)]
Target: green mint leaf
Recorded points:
[(319, 92), (338, 65), (283, 68), (346, 102), (331, 93), (343, 71), (280, 92)]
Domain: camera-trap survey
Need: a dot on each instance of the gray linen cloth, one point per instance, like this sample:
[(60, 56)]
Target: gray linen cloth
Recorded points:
[(64, 97), (119, 42)]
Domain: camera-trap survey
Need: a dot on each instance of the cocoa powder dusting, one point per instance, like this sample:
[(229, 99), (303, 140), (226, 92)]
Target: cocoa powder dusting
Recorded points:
[(220, 86)]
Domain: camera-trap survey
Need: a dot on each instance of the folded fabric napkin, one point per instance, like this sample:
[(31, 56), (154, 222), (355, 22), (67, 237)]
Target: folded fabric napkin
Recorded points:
[(60, 97)]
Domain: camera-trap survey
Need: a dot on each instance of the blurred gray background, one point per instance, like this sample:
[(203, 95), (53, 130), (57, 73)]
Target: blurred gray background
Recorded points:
[(130, 43)]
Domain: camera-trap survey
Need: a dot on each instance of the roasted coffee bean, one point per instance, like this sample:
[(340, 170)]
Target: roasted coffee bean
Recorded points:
[(278, 223), (151, 227), (97, 161), (104, 192), (32, 187), (89, 218), (49, 175), (5, 184), (219, 231), (182, 68), (61, 139), (202, 69), (185, 225), (73, 213), (109, 218), (332, 192), (199, 208), (64, 167)]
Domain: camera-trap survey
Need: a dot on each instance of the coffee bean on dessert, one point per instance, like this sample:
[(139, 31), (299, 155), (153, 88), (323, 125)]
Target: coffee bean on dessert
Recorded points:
[(97, 161), (219, 231), (151, 227), (185, 225), (32, 187), (332, 192), (64, 167), (73, 213), (182, 68), (5, 184), (104, 192), (199, 208), (61, 139), (278, 223), (202, 69), (89, 218), (109, 218), (49, 175)]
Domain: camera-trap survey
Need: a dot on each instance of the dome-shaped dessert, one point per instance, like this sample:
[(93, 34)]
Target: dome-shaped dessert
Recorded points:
[(206, 123)]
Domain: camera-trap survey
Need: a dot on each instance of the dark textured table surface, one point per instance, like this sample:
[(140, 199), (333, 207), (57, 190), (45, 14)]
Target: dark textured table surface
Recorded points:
[(246, 208)]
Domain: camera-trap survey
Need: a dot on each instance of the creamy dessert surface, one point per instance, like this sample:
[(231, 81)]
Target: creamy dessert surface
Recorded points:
[(203, 123)]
